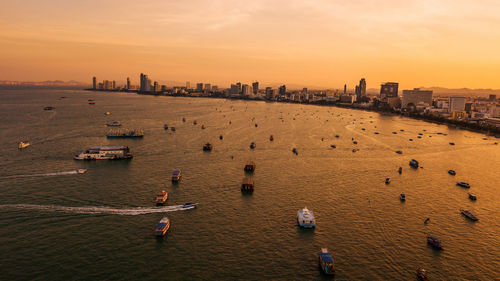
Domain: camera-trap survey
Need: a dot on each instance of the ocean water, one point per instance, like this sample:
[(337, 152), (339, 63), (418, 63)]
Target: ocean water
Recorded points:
[(58, 225)]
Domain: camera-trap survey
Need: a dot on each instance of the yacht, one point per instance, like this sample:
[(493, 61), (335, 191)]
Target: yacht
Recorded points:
[(111, 152), (81, 171), (463, 184), (189, 205), (414, 163), (176, 175), (451, 172), (161, 197), (469, 215), (305, 218), (162, 227), (326, 262), (402, 197), (24, 144), (434, 242), (472, 197), (207, 147)]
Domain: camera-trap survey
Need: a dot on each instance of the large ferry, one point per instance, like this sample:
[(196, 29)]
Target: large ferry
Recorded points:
[(125, 134), (305, 218), (162, 227), (326, 262), (112, 152)]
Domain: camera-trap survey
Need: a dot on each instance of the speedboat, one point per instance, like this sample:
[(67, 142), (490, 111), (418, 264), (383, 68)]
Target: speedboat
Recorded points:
[(387, 180), (114, 124), (402, 197), (399, 152), (81, 171), (24, 144), (434, 242), (414, 163), (451, 172), (463, 184), (469, 215), (333, 146), (176, 175), (252, 145), (422, 274), (305, 218), (161, 197), (207, 147), (48, 108), (326, 262), (189, 205), (472, 197), (452, 143), (162, 227)]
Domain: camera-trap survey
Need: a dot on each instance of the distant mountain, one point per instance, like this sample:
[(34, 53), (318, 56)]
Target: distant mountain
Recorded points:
[(440, 91)]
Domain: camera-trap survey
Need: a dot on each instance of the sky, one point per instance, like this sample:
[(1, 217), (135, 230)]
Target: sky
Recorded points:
[(313, 43)]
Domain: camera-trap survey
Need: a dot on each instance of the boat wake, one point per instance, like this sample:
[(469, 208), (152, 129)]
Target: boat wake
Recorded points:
[(42, 175), (94, 210)]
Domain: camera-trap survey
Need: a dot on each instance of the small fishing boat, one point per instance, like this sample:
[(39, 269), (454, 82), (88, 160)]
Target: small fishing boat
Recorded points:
[(305, 218), (172, 129), (337, 136), (399, 152), (414, 163), (463, 184), (81, 171), (472, 197), (207, 147), (451, 172), (422, 274), (252, 145), (247, 185), (376, 133), (203, 127), (400, 170), (355, 142), (189, 205), (183, 119), (162, 227), (333, 146), (256, 125), (176, 175), (249, 166), (434, 242), (220, 137), (468, 214), (410, 139), (49, 108), (195, 122), (452, 143), (427, 220), (107, 113), (23, 144), (387, 180), (165, 126), (402, 197), (91, 102), (161, 197), (114, 124), (294, 150), (326, 262), (395, 133), (271, 138)]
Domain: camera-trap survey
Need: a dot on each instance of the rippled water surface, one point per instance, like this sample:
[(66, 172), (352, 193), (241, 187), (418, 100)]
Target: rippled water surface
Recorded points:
[(56, 224)]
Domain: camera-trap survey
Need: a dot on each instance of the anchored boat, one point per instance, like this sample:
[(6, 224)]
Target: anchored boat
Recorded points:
[(305, 218), (176, 175), (463, 184), (326, 262), (161, 197), (469, 215), (414, 163), (249, 166), (23, 144), (434, 242), (112, 152), (162, 227), (125, 134)]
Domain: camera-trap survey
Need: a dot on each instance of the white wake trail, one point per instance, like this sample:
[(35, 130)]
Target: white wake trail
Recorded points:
[(95, 209), (41, 175)]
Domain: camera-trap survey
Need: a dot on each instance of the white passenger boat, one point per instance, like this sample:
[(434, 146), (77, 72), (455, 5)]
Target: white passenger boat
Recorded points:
[(24, 144), (112, 152), (305, 218), (81, 171)]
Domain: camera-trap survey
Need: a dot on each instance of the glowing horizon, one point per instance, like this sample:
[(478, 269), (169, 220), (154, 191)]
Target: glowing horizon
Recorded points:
[(312, 43)]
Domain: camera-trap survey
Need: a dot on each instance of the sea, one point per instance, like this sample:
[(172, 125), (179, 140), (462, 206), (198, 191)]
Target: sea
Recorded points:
[(56, 224)]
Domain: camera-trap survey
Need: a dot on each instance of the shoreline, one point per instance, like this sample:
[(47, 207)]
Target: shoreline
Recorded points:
[(489, 131)]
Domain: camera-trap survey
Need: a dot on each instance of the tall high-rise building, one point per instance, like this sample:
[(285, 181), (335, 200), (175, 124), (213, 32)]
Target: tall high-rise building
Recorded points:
[(145, 85), (389, 90), (245, 90), (94, 83), (208, 87), (188, 85), (269, 93), (361, 89), (345, 89), (235, 90), (456, 104), (255, 87), (128, 83), (114, 84), (239, 87), (412, 98), (493, 97), (199, 87), (156, 87), (282, 90)]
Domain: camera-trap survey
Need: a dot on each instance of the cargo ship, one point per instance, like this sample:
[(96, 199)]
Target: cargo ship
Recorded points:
[(112, 152), (125, 134)]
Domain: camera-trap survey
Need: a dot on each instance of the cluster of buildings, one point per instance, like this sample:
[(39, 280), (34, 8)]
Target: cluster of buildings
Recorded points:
[(414, 101)]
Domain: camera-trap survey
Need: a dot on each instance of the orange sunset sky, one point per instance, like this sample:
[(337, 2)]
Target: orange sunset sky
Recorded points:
[(314, 43)]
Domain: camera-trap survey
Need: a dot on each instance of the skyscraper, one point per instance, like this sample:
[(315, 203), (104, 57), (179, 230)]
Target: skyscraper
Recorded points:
[(412, 98), (282, 90), (128, 83), (94, 83), (361, 89), (389, 90), (114, 84), (345, 89), (208, 87), (188, 85), (255, 86), (245, 90), (199, 87), (456, 104), (145, 83)]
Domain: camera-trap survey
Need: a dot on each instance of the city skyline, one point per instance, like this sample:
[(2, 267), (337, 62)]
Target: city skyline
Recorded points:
[(310, 43)]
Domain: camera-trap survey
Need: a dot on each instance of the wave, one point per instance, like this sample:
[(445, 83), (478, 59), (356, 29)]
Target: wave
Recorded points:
[(94, 210)]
